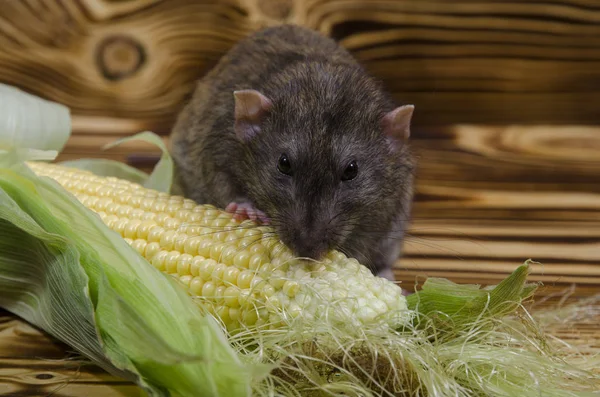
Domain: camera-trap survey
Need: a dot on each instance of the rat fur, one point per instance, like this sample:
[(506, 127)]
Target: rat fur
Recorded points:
[(315, 103)]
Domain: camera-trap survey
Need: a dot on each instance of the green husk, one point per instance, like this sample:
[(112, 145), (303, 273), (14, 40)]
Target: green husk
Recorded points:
[(123, 305), (65, 271), (161, 178)]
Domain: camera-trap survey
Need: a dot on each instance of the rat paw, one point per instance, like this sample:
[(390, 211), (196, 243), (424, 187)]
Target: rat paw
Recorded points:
[(245, 210)]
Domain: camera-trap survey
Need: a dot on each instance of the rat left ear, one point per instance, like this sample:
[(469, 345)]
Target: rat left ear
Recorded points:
[(251, 108), (396, 124)]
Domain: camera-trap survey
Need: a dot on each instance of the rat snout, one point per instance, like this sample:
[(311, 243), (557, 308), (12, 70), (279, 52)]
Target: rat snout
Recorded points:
[(309, 243)]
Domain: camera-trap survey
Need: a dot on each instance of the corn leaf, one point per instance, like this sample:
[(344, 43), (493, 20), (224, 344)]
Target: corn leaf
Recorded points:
[(107, 167), (134, 305), (160, 179), (450, 308), (30, 122)]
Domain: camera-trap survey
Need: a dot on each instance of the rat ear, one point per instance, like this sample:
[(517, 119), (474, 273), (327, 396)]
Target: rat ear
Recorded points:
[(251, 107), (396, 124)]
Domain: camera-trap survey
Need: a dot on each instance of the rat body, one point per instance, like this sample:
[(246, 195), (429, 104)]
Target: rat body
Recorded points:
[(290, 130)]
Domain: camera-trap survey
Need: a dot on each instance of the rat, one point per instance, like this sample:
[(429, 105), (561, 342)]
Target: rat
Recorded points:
[(289, 130)]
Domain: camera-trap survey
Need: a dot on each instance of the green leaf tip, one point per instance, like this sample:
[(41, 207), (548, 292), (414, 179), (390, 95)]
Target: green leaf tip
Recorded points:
[(450, 307)]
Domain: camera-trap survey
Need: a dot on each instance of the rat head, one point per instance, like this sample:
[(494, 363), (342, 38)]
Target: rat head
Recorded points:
[(325, 172)]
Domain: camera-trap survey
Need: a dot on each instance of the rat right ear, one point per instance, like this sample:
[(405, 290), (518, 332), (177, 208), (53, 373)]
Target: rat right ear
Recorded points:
[(251, 108), (396, 124)]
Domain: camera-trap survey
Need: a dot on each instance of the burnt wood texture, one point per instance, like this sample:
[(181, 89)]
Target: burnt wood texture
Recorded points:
[(507, 127)]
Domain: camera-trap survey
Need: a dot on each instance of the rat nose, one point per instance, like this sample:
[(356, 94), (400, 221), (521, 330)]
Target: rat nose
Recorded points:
[(309, 244)]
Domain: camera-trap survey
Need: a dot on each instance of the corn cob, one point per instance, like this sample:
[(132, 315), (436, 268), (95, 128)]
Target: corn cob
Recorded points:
[(239, 272)]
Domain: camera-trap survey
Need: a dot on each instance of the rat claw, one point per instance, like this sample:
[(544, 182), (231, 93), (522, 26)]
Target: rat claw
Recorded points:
[(243, 211)]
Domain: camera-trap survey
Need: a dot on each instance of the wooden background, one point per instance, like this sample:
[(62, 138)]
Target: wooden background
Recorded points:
[(507, 125)]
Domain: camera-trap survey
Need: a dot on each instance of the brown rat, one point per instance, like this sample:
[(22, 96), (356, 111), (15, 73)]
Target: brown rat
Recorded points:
[(290, 129)]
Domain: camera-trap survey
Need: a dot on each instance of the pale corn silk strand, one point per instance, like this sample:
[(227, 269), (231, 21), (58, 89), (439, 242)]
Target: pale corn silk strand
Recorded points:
[(330, 328)]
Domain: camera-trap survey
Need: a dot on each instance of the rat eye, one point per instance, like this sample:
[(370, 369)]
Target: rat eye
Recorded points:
[(350, 172), (284, 166)]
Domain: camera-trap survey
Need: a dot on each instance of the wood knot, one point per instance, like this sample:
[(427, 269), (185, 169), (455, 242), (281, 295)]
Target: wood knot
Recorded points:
[(44, 376), (275, 9), (119, 57)]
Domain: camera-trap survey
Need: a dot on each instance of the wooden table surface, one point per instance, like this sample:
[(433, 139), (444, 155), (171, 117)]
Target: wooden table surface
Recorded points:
[(507, 126)]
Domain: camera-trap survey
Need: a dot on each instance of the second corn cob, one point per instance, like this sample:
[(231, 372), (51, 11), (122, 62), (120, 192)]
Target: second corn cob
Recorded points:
[(240, 272)]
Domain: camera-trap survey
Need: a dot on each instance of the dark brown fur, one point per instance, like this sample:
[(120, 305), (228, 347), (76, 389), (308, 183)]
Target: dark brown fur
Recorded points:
[(326, 112)]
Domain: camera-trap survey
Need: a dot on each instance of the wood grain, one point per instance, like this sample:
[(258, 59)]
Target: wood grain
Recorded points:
[(507, 128), (526, 62), (34, 364)]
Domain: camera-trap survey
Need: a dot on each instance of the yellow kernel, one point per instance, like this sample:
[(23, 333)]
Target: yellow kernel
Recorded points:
[(223, 314), (161, 217), (195, 265), (206, 268), (131, 228), (103, 203), (139, 245), (210, 212), (220, 222), (258, 249), (158, 261), (234, 314), (158, 206), (247, 242), (277, 279), (151, 250), (183, 264), (290, 288), (120, 226), (144, 228), (220, 294), (268, 291), (179, 243), (215, 251), (218, 270), (257, 283), (136, 213), (149, 216), (135, 202), (245, 278), (196, 286), (249, 317), (256, 261), (183, 214), (265, 270), (155, 233), (231, 238), (244, 297), (128, 240), (186, 280), (167, 239), (112, 208), (204, 247), (172, 223), (228, 253), (294, 309), (273, 302), (208, 290), (124, 211), (242, 259), (230, 275), (171, 262), (219, 235), (231, 296), (190, 246)]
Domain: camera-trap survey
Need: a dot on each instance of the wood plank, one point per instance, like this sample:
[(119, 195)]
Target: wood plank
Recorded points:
[(35, 364), (476, 61)]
